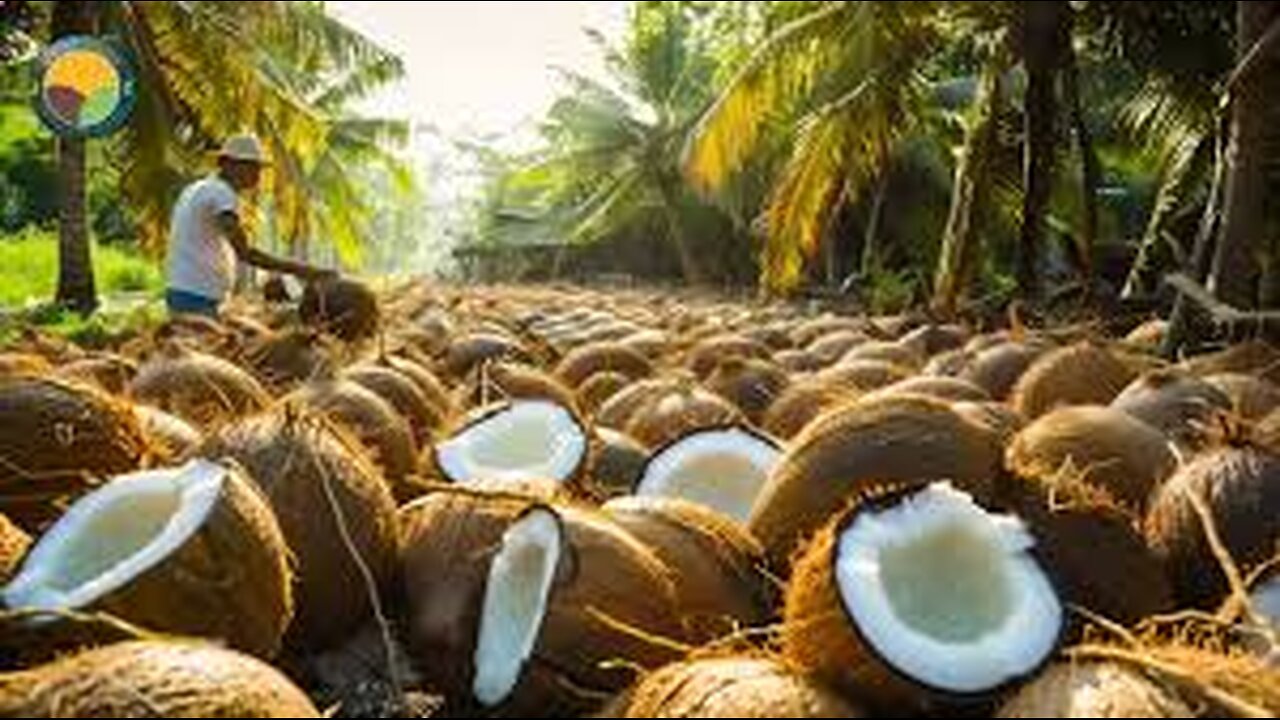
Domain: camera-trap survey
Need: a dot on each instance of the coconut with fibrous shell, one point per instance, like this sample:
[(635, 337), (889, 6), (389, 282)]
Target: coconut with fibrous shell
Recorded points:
[(288, 359), (729, 687), (707, 353), (918, 597), (193, 549), (617, 463), (343, 307), (18, 364), (934, 386), (108, 371), (202, 389), (672, 414), (889, 438), (466, 352), (496, 381), (885, 351), (997, 369), (866, 375), (60, 439), (1251, 397), (14, 543), (1254, 357), (516, 607), (722, 468), (1080, 374), (153, 679), (618, 410), (336, 512), (169, 436), (1094, 690), (595, 390), (931, 339), (1178, 404), (403, 395), (751, 385), (803, 401), (718, 568), (587, 360), (418, 371)]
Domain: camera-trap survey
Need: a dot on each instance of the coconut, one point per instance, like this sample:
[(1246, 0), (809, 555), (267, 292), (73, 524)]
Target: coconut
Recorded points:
[(1177, 404), (284, 361), (798, 361), (704, 356), (193, 550), (382, 431), (1148, 336), (1100, 446), (813, 330), (718, 568), (342, 307), (516, 441), (518, 608), (1254, 357), (1080, 374), (941, 388), (917, 597), (595, 390), (1094, 690), (949, 363), (168, 435), (865, 375), (618, 462), (729, 687), (13, 547), (202, 389), (1265, 598), (929, 340), (109, 372), (721, 468), (58, 440), (1240, 487), (336, 512), (803, 401), (1252, 397), (651, 343), (678, 412), (496, 381), (468, 351), (403, 395), (884, 351), (618, 410), (17, 364), (997, 417), (430, 386), (890, 438), (996, 369), (583, 362), (153, 679), (751, 385)]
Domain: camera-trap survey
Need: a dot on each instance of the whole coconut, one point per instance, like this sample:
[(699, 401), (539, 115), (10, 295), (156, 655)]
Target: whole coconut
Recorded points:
[(1093, 690), (1080, 374), (1177, 404), (751, 385), (342, 307), (202, 389)]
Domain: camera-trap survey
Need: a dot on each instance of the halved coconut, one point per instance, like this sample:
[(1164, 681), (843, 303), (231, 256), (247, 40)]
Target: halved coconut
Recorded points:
[(722, 468), (193, 549), (1094, 690), (918, 596), (153, 679), (516, 441), (729, 687)]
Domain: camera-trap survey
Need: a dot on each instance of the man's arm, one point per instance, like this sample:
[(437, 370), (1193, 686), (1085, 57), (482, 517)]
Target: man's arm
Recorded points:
[(229, 224)]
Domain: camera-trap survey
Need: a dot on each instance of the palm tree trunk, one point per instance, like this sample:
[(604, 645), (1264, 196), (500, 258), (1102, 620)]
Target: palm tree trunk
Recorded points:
[(1234, 276), (871, 237), (1089, 173), (1044, 25), (689, 266), (75, 265), (961, 241)]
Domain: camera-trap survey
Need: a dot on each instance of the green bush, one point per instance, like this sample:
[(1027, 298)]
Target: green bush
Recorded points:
[(29, 269)]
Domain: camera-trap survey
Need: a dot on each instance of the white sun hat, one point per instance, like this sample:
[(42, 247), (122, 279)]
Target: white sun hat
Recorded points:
[(245, 147)]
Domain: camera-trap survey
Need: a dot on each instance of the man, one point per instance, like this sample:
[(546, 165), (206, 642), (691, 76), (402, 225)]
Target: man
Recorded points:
[(206, 236)]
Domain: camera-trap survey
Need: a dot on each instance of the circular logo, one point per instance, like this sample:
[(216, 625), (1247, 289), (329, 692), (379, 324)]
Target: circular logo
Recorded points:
[(87, 88)]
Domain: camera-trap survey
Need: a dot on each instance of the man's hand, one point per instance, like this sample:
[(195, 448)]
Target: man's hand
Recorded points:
[(234, 232)]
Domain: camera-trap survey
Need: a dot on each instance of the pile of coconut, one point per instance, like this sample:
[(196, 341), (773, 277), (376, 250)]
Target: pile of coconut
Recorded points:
[(551, 501)]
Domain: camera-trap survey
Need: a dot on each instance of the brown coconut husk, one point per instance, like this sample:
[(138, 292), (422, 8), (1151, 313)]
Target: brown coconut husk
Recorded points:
[(885, 351), (890, 438), (13, 547), (811, 330), (679, 412), (468, 351), (153, 679), (1148, 336), (1094, 689), (729, 687), (595, 390), (866, 375), (370, 675), (820, 637), (170, 437), (587, 360), (618, 410), (284, 361), (1180, 405), (62, 439), (1240, 489), (202, 389), (1101, 446), (831, 347), (108, 371), (383, 432), (1253, 357), (949, 363), (404, 396), (721, 583), (751, 385), (928, 340), (496, 381), (229, 581), (1079, 374), (997, 369), (1252, 397), (617, 462), (997, 417), (18, 364), (704, 356), (651, 343), (798, 361), (431, 387), (336, 512), (773, 336), (613, 600), (342, 307), (942, 388)]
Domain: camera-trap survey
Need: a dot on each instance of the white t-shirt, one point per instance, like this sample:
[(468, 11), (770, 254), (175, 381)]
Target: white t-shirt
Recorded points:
[(200, 260)]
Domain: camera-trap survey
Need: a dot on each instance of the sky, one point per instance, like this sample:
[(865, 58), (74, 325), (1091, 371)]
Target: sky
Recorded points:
[(481, 67)]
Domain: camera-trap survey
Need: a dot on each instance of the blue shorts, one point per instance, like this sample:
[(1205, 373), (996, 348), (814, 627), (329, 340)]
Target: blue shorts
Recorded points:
[(181, 302)]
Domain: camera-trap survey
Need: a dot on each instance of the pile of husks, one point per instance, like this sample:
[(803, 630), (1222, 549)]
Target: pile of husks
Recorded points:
[(557, 501)]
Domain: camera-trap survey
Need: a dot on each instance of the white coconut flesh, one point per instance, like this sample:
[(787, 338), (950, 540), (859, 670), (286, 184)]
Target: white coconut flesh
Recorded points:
[(527, 440), (114, 534), (722, 469), (1266, 600), (946, 592), (515, 601)]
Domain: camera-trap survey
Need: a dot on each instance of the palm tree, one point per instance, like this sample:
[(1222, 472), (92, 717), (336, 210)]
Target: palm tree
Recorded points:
[(206, 70)]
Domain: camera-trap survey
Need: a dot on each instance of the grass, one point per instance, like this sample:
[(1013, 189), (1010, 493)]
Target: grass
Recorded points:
[(29, 270)]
